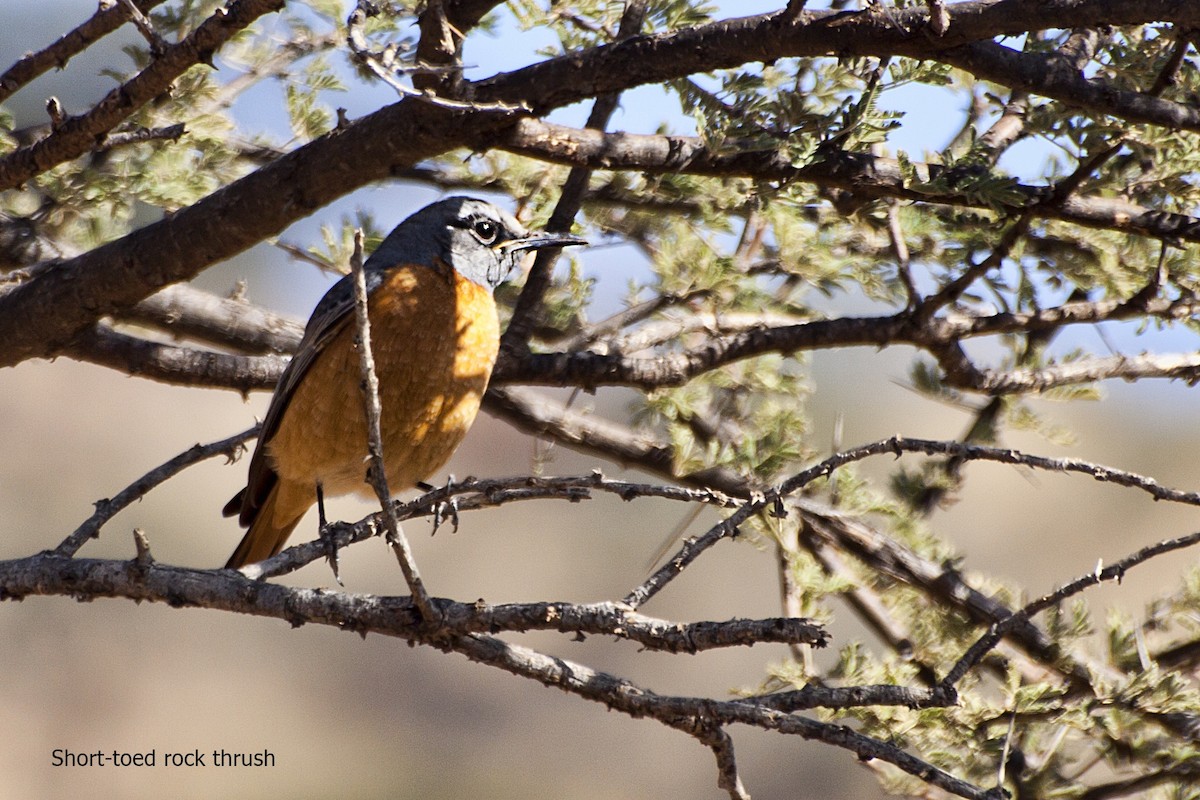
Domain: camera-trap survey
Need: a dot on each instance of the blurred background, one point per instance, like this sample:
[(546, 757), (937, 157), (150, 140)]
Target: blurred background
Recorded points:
[(352, 717)]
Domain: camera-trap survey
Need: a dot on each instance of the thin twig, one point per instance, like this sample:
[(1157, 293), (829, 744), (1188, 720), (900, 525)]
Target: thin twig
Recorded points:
[(107, 509), (377, 474), (1114, 571), (693, 547), (145, 27), (121, 138)]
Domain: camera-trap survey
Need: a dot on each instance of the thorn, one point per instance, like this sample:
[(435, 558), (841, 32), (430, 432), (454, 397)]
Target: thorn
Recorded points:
[(55, 110), (143, 559), (939, 17)]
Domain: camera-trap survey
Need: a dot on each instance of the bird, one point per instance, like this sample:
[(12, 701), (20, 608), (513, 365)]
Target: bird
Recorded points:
[(435, 336)]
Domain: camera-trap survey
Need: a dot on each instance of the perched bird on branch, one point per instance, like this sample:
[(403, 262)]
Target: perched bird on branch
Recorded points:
[(435, 337)]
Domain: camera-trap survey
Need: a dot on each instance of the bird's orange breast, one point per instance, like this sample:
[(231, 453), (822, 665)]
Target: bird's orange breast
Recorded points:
[(434, 335)]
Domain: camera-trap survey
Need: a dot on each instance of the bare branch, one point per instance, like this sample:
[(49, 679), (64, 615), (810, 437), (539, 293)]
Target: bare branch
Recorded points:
[(117, 139), (230, 322), (55, 56), (474, 493), (230, 590), (812, 696), (78, 135), (727, 771), (1114, 571), (372, 409), (862, 173), (107, 509), (172, 364)]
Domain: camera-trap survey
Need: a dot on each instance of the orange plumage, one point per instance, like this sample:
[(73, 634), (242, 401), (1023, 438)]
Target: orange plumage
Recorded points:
[(435, 337)]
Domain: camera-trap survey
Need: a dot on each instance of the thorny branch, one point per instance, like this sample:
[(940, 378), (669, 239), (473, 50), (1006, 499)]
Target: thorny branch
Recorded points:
[(229, 590), (636, 347), (107, 19), (456, 622), (547, 85), (1112, 572), (77, 135), (865, 174), (106, 509)]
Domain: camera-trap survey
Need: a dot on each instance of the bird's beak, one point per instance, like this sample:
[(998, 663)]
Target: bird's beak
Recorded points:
[(536, 241), (510, 250)]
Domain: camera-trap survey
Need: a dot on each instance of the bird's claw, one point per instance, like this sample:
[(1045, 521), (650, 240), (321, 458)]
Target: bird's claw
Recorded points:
[(446, 509)]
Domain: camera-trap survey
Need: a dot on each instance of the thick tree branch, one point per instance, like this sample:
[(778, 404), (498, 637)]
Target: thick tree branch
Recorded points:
[(186, 311), (391, 616), (55, 56), (173, 364), (729, 43), (1039, 74), (39, 316), (228, 590), (865, 174), (78, 135), (211, 319)]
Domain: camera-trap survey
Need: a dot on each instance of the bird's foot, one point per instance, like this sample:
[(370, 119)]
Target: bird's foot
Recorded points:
[(445, 509), (328, 534)]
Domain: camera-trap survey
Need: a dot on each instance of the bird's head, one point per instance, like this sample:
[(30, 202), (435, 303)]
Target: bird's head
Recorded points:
[(480, 241)]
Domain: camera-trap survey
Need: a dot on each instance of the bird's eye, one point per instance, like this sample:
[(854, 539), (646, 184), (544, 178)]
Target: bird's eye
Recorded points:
[(486, 230)]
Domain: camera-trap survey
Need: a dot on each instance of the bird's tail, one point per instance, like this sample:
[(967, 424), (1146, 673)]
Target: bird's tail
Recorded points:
[(269, 530)]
